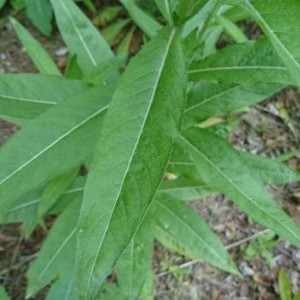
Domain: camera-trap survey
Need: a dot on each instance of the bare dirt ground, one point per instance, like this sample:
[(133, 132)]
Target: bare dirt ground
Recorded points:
[(271, 129)]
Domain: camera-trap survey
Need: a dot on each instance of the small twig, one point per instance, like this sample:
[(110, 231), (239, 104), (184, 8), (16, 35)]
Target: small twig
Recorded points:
[(16, 266), (228, 247)]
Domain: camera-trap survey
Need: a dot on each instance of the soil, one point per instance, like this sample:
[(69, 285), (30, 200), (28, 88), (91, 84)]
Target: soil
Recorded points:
[(270, 128)]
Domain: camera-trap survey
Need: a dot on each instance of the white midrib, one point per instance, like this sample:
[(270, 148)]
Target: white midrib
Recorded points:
[(236, 187), (234, 68), (212, 98), (52, 145), (192, 230), (167, 5), (273, 35), (88, 51), (28, 100), (133, 151), (57, 253)]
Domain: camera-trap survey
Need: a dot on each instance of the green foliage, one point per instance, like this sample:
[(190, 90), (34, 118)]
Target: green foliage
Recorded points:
[(262, 245), (133, 130), (285, 287)]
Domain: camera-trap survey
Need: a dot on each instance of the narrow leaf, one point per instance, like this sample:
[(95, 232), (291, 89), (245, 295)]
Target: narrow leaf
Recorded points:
[(184, 231), (3, 294), (39, 56), (58, 251), (185, 189), (132, 154), (55, 189), (207, 99), (111, 32), (201, 18), (40, 13), (278, 22), (233, 30), (67, 128), (247, 63), (270, 170), (285, 288), (80, 35), (135, 263), (222, 169), (149, 25), (64, 288), (28, 95)]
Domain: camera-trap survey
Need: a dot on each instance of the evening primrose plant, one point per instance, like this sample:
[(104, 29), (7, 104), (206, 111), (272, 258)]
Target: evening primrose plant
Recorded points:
[(130, 131)]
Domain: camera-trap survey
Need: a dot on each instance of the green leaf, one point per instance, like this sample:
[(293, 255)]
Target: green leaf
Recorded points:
[(39, 56), (18, 5), (200, 18), (221, 167), (124, 45), (247, 63), (55, 189), (167, 8), (73, 70), (80, 35), (3, 294), (132, 154), (135, 263), (67, 128), (297, 295), (2, 3), (285, 288), (57, 255), (233, 30), (181, 229), (40, 13), (277, 21), (28, 95), (147, 292), (269, 170), (149, 25), (111, 32), (24, 210), (64, 288), (207, 99), (185, 189)]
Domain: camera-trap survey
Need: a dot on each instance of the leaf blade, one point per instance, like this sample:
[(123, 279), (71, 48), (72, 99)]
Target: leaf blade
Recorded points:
[(230, 176), (124, 160), (253, 62), (81, 37), (61, 128), (27, 96), (272, 19), (189, 234)]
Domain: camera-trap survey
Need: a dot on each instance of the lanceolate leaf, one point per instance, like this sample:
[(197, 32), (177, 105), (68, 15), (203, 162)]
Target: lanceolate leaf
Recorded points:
[(28, 95), (222, 169), (40, 12), (207, 99), (183, 230), (55, 189), (80, 35), (184, 189), (53, 143), (131, 157), (270, 170), (279, 20), (57, 255), (135, 263), (39, 56), (149, 25), (200, 18), (253, 62)]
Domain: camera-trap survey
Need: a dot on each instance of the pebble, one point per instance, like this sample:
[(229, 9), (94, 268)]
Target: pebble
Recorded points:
[(61, 51)]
